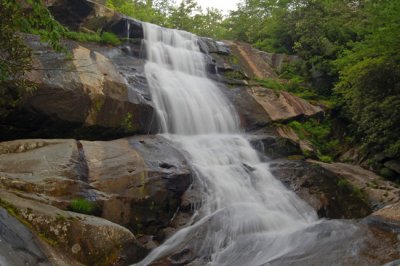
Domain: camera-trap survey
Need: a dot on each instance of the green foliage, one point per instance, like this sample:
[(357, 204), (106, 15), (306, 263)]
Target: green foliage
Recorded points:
[(153, 11), (82, 205), (370, 81), (110, 38), (83, 36), (350, 59), (319, 133), (270, 83), (325, 158), (127, 123), (187, 15), (105, 37)]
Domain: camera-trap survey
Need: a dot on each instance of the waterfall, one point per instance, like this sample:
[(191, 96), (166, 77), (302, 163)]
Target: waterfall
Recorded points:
[(248, 217)]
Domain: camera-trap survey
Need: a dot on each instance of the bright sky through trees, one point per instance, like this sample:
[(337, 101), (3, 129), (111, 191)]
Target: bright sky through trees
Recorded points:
[(224, 5)]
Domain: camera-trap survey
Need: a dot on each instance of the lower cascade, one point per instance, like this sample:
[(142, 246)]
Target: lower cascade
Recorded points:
[(247, 217)]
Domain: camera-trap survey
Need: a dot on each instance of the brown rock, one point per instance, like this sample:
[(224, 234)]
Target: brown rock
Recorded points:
[(87, 89), (252, 115), (136, 182), (283, 106), (85, 96), (390, 214), (87, 239), (305, 145), (322, 189), (379, 192), (253, 64)]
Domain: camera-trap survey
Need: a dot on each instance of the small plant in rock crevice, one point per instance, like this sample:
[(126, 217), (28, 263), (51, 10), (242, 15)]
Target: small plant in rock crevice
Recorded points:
[(84, 206)]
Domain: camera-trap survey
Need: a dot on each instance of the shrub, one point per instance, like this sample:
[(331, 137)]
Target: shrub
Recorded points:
[(82, 205), (319, 133), (105, 37), (110, 38)]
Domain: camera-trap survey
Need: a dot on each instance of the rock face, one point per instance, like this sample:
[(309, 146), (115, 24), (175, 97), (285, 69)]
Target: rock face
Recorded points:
[(141, 188), (136, 182), (259, 107), (87, 239), (273, 146), (283, 106), (18, 246), (93, 16), (85, 96), (387, 217), (379, 192), (288, 133), (328, 194), (254, 65)]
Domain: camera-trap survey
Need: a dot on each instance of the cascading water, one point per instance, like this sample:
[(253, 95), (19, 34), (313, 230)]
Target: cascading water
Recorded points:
[(248, 217)]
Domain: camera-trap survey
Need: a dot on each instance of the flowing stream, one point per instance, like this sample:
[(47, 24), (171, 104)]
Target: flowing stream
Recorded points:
[(247, 217)]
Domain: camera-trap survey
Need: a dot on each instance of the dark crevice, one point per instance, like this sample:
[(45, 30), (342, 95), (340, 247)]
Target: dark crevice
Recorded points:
[(82, 167)]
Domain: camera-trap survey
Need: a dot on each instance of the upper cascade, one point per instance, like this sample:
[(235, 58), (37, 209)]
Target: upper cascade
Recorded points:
[(187, 102)]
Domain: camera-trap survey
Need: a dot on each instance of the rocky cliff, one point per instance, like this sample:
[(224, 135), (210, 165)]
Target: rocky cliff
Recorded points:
[(87, 133)]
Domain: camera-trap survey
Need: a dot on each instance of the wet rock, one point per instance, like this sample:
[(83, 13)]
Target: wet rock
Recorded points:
[(330, 195), (387, 217), (125, 27), (274, 146), (378, 191), (18, 246), (251, 114), (208, 45), (144, 194)]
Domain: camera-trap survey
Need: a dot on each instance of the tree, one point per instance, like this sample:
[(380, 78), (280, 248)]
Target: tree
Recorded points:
[(370, 80), (15, 56)]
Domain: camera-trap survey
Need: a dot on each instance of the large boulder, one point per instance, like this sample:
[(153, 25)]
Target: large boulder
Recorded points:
[(81, 94), (251, 62), (388, 217), (94, 16), (251, 114), (273, 146), (282, 105), (144, 178), (330, 195), (379, 192), (18, 245), (259, 64), (135, 182), (87, 239)]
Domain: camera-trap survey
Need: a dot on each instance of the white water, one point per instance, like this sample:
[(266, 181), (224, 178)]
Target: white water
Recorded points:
[(248, 217)]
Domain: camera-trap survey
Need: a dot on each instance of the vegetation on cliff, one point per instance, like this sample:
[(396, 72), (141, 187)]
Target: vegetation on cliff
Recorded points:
[(349, 52)]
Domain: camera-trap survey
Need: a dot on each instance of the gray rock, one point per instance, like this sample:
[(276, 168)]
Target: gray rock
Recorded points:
[(327, 193), (208, 46), (274, 146), (18, 246), (393, 165)]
